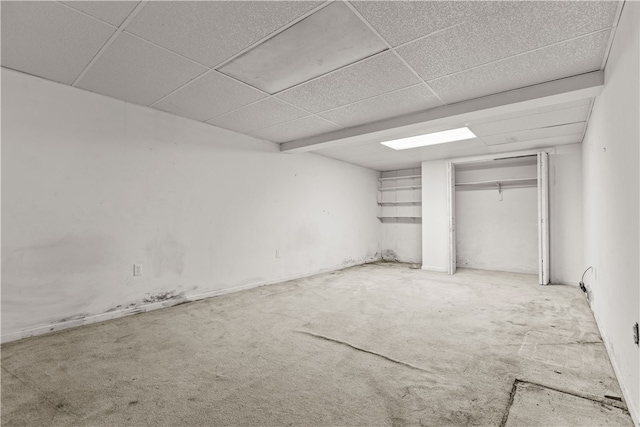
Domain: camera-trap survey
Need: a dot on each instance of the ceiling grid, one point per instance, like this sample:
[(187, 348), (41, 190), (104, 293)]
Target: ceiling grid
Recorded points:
[(176, 56)]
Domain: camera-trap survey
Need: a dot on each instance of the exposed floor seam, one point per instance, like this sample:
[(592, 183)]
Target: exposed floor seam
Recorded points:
[(55, 406), (512, 396), (399, 362)]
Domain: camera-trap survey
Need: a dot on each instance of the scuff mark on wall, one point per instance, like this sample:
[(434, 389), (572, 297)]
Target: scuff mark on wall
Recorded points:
[(162, 296), (74, 317)]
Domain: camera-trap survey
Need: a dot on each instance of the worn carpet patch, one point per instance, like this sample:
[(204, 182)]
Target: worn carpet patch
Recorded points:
[(537, 405)]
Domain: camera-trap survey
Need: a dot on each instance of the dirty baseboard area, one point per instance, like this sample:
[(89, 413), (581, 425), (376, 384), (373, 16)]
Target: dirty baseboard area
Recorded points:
[(626, 392), (180, 299)]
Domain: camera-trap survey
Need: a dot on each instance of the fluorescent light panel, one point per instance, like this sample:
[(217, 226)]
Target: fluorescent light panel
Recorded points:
[(451, 135)]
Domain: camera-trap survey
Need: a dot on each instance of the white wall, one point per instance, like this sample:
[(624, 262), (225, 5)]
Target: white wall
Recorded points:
[(92, 185), (435, 216), (494, 234), (565, 214), (611, 204), (401, 240)]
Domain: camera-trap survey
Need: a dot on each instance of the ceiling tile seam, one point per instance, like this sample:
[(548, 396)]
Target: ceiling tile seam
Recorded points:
[(167, 50), (110, 41), (521, 54), (406, 64), (226, 113), (273, 34), (586, 126), (291, 121), (85, 14), (401, 45), (312, 113), (196, 78), (207, 72), (371, 97), (614, 27), (309, 113), (375, 55)]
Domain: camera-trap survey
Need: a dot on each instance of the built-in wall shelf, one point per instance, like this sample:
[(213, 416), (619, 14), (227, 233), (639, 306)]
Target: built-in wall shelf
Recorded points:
[(400, 195), (395, 178), (406, 187), (400, 203)]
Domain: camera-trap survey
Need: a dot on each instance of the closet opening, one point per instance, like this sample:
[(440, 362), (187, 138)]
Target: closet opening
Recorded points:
[(498, 215)]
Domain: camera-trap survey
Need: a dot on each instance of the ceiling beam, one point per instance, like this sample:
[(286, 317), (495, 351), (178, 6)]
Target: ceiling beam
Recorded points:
[(541, 95)]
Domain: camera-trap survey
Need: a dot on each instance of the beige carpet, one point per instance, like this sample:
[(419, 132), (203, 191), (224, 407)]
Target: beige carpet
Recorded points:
[(374, 345)]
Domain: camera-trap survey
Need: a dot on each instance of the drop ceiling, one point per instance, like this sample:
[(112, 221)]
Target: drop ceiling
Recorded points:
[(293, 70)]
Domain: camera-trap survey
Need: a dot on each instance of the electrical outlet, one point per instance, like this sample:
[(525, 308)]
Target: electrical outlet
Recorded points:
[(277, 253), (137, 269)]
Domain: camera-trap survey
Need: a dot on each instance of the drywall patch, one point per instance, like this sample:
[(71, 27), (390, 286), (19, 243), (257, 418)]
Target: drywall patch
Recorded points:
[(533, 404)]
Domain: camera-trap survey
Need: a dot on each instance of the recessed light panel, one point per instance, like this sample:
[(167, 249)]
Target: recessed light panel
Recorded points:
[(451, 135), (325, 41)]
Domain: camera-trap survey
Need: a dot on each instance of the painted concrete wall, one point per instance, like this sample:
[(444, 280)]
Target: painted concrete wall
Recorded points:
[(611, 204), (565, 214), (92, 185), (494, 234)]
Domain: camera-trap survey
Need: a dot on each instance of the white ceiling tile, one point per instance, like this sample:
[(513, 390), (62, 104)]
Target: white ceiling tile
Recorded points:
[(541, 120), (511, 28), (49, 40), (535, 134), (403, 101), (297, 129), (136, 71), (262, 114), (113, 12), (371, 77), (331, 38), (401, 21), (211, 95), (534, 111), (210, 32), (538, 143), (562, 60)]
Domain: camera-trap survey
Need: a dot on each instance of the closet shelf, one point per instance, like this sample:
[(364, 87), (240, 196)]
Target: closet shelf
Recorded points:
[(408, 187), (400, 203), (392, 178), (503, 183)]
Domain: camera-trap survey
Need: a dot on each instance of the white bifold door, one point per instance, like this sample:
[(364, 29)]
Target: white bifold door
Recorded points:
[(543, 218)]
